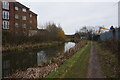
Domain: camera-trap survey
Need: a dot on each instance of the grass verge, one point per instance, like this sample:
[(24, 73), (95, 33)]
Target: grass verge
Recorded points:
[(74, 67), (108, 60)]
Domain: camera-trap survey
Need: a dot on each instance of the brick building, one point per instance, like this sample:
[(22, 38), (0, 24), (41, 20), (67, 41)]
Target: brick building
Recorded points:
[(17, 18)]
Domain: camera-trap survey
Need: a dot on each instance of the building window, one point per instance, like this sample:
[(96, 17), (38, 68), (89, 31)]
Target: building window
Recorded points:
[(16, 8), (30, 15), (24, 25), (5, 25), (24, 10), (30, 21), (16, 16), (5, 5), (23, 17), (16, 25), (5, 15)]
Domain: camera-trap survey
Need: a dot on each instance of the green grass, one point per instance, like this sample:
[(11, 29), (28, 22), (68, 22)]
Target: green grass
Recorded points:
[(108, 60), (74, 67)]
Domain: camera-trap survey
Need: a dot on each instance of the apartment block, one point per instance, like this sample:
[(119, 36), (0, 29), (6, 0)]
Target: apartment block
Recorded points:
[(17, 18)]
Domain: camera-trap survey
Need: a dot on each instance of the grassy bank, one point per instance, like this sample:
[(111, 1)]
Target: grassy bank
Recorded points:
[(108, 59), (74, 67), (29, 46)]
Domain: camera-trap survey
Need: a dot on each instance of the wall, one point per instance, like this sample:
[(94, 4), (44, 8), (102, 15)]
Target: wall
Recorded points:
[(33, 25), (109, 35)]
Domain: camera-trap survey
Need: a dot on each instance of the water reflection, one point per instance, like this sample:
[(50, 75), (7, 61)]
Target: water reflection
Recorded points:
[(41, 57), (6, 67), (68, 46), (15, 61)]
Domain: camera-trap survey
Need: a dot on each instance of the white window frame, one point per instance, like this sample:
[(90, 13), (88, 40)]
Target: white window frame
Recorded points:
[(16, 25), (30, 21), (30, 15), (16, 16), (5, 25), (24, 10), (5, 5), (23, 17), (5, 15), (16, 8)]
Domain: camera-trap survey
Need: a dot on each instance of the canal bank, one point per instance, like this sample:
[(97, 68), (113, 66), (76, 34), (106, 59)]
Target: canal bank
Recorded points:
[(14, 61), (28, 46), (75, 67), (49, 66)]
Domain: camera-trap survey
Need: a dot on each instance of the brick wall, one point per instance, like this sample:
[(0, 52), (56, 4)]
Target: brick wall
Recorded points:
[(33, 24), (11, 17), (23, 25)]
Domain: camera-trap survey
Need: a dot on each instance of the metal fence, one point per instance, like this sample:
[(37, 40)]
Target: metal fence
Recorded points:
[(109, 35)]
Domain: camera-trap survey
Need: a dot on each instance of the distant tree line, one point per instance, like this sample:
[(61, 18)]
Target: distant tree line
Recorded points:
[(84, 33), (51, 33)]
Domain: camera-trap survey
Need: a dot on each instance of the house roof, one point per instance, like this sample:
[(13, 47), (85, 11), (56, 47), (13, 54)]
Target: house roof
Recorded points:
[(21, 5)]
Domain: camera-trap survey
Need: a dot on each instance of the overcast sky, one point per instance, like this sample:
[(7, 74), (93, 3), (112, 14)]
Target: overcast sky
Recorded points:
[(74, 15)]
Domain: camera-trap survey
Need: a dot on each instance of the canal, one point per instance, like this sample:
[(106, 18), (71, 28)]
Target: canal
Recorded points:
[(17, 61)]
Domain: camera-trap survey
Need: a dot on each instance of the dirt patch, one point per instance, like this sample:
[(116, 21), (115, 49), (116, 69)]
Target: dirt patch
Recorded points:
[(94, 68)]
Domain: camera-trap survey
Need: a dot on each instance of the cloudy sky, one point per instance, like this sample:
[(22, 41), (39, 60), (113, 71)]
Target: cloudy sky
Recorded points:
[(74, 15)]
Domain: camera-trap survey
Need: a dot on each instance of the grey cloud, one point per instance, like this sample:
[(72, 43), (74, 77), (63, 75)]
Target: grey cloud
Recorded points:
[(73, 16)]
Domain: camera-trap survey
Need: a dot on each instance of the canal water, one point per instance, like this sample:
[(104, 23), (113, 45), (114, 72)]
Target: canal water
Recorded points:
[(17, 61)]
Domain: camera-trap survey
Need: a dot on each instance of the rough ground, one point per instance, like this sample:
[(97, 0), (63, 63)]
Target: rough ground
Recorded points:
[(94, 69)]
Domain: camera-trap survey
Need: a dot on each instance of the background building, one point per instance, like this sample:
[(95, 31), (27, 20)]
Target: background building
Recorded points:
[(17, 18)]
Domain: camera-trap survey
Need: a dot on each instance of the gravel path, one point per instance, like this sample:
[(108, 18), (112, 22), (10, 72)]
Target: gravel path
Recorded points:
[(94, 69)]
